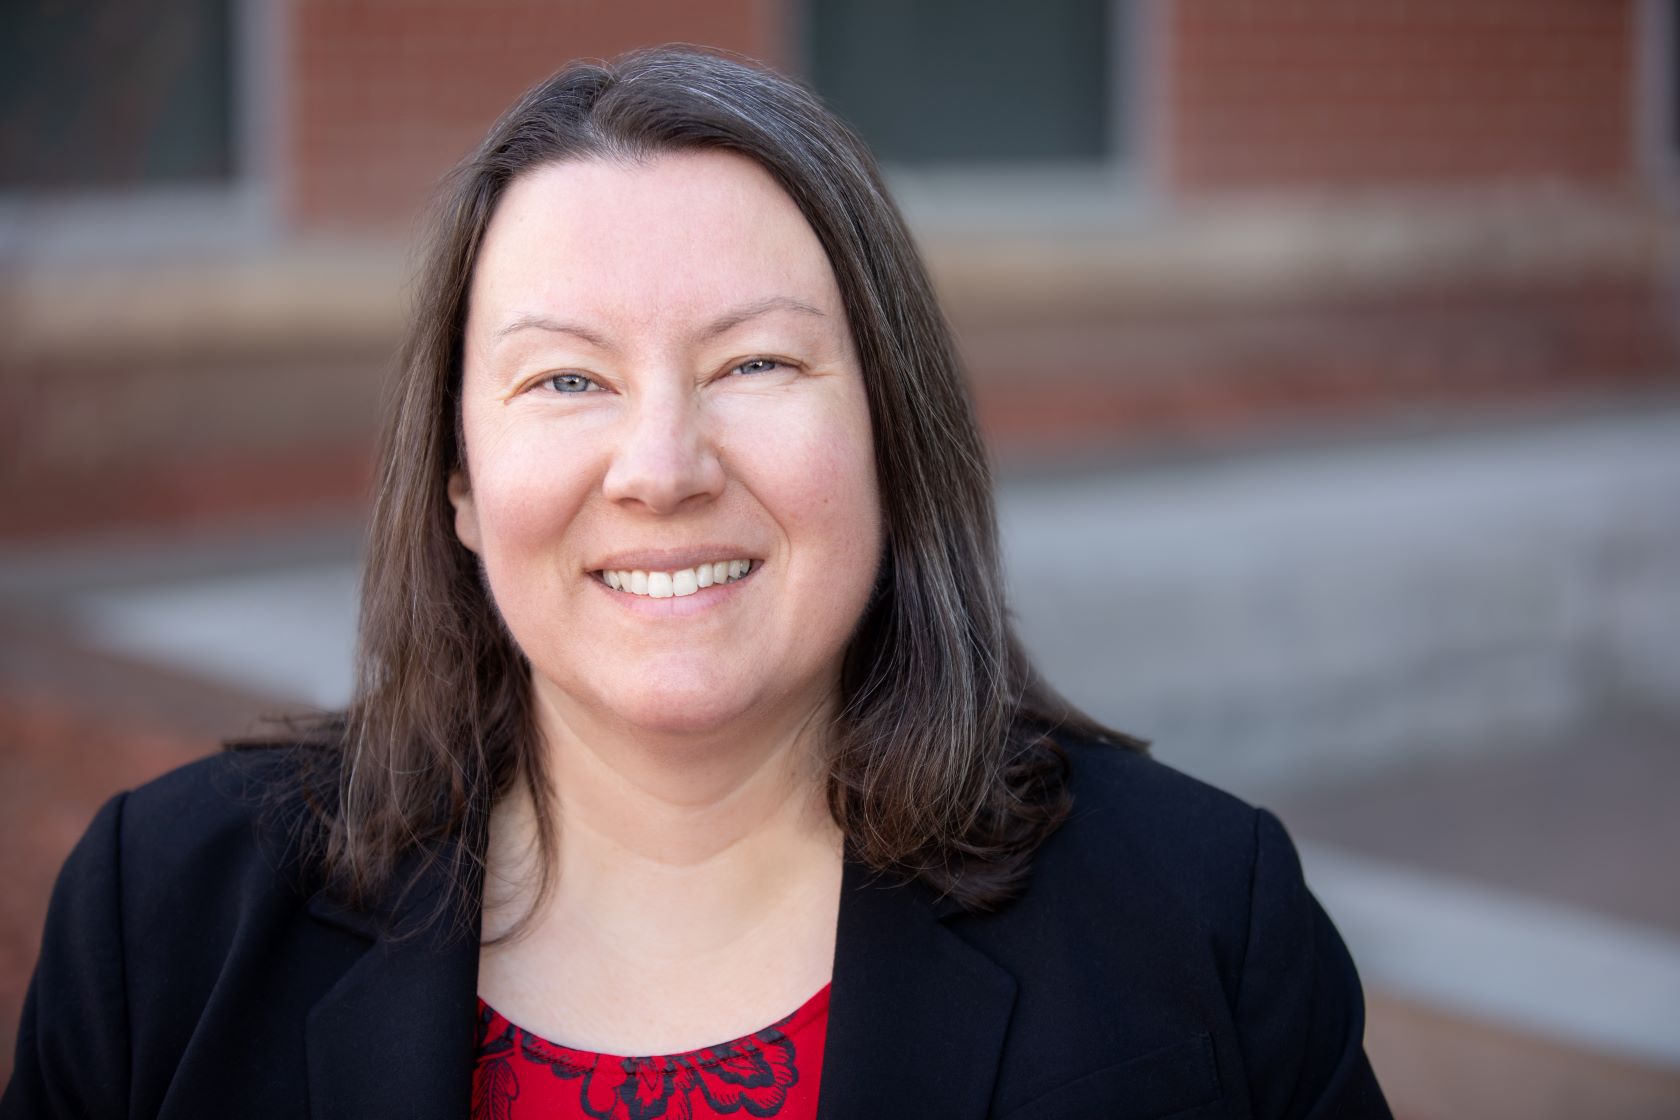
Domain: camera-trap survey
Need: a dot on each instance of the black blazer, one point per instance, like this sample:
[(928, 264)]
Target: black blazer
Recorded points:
[(1166, 960)]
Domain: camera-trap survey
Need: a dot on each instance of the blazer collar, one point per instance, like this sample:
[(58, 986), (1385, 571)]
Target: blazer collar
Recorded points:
[(395, 1036), (917, 1016)]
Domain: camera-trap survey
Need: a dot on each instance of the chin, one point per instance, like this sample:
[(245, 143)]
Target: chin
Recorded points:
[(694, 707), (684, 697), (679, 715)]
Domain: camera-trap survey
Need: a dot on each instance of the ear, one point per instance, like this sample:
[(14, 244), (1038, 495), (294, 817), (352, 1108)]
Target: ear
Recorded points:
[(466, 512)]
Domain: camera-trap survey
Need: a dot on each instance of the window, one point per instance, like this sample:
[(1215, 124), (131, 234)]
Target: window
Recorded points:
[(998, 84), (1657, 31), (108, 95)]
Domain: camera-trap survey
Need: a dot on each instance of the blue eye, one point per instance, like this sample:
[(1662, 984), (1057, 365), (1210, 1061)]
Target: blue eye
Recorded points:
[(757, 365), (570, 383)]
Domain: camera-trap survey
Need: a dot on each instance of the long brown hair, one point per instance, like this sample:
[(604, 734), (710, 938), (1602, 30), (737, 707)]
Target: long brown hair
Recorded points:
[(941, 766)]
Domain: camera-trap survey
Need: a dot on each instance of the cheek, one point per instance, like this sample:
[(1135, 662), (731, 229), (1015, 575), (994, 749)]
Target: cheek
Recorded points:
[(526, 493), (848, 494), (815, 471)]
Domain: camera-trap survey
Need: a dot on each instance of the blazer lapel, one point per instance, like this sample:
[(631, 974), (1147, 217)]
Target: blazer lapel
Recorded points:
[(396, 1035), (917, 1016)]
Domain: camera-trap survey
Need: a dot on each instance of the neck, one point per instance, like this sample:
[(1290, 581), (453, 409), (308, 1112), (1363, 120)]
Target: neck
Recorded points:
[(721, 824)]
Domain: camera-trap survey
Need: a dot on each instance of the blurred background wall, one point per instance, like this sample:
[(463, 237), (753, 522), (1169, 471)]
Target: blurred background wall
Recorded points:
[(1199, 222), (1328, 353)]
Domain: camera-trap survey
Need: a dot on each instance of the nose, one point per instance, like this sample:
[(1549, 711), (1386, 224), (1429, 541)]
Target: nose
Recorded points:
[(664, 459)]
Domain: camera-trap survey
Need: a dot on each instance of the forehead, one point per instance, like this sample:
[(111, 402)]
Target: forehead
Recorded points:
[(684, 232)]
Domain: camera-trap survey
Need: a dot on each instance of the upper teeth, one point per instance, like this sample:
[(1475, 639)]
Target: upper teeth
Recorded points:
[(664, 585)]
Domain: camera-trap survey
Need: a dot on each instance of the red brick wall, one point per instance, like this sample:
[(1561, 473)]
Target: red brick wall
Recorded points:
[(1396, 93), (383, 96)]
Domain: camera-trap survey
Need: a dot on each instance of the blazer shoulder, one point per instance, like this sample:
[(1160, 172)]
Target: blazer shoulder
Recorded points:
[(1180, 858), (176, 887), (1128, 801), (1139, 829), (234, 815)]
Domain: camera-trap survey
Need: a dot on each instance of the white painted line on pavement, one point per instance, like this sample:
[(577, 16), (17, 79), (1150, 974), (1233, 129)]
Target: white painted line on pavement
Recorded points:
[(1544, 967)]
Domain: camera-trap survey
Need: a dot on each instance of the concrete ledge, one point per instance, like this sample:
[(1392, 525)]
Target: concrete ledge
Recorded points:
[(1206, 256)]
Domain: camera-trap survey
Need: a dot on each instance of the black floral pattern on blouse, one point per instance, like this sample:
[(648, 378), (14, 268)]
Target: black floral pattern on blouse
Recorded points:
[(750, 1075)]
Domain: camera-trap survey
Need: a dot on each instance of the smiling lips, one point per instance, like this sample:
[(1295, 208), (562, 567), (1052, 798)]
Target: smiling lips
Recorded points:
[(676, 584)]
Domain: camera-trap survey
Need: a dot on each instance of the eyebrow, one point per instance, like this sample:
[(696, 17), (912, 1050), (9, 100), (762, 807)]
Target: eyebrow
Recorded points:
[(721, 325), (729, 321)]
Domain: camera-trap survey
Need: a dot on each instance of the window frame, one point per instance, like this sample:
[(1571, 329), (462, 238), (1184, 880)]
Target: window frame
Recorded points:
[(1050, 196)]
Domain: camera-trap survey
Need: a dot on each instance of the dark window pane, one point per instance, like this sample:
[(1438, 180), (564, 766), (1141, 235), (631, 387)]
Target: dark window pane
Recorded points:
[(104, 94), (969, 81), (1672, 74)]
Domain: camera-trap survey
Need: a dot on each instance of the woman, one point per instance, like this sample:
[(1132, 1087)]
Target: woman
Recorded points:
[(688, 704)]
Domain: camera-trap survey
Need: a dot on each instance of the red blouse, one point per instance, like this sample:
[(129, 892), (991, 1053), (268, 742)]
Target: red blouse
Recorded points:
[(771, 1072)]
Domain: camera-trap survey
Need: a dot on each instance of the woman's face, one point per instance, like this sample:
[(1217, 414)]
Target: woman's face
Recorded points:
[(659, 383)]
